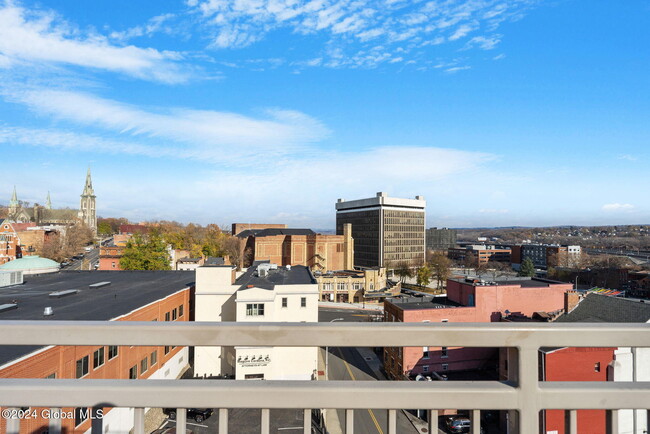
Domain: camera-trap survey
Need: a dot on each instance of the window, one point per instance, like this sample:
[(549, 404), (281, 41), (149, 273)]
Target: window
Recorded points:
[(445, 320), (303, 301), (425, 368), (284, 301), (98, 358), (425, 352), (255, 309), (180, 310), (143, 365), (166, 350), (443, 352), (112, 352), (597, 367), (51, 376), (154, 358), (80, 415), (174, 312), (82, 367), (445, 366), (133, 372), (113, 264), (166, 316)]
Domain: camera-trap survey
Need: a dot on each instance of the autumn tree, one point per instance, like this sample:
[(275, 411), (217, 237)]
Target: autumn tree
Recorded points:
[(440, 266), (403, 271), (423, 275), (145, 253), (232, 247)]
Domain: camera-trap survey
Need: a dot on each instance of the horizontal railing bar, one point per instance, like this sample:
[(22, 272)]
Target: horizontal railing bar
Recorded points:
[(579, 395), (256, 394), (481, 395), (323, 334)]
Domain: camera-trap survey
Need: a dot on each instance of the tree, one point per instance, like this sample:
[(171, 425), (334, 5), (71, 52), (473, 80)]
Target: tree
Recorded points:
[(440, 268), (423, 275), (403, 270), (527, 268), (145, 254), (233, 248), (104, 228), (53, 248), (470, 261)]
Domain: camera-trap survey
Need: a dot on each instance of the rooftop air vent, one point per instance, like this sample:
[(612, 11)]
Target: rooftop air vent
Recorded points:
[(98, 285), (6, 307), (48, 311), (59, 294)]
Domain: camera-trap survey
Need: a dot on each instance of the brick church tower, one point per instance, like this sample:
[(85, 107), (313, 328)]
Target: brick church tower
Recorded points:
[(87, 210)]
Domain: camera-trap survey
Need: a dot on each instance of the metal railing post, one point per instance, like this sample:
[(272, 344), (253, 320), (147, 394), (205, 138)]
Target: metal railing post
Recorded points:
[(349, 421), (306, 421), (266, 421), (13, 423), (223, 421), (613, 421), (54, 424), (527, 382), (573, 421), (433, 421), (476, 421), (181, 420), (138, 421), (392, 421)]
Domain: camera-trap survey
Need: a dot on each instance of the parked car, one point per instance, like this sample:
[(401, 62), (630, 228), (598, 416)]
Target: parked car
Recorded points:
[(460, 424), (198, 414), (65, 264)]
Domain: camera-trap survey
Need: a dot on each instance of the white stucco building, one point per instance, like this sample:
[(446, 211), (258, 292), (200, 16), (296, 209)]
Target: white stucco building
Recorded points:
[(264, 293)]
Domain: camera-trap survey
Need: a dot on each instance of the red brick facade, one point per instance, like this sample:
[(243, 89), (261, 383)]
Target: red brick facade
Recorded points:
[(61, 361), (9, 243)]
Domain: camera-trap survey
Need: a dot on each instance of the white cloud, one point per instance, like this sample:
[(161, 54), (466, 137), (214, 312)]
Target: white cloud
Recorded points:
[(154, 25), (204, 132), (30, 37), (457, 68), (352, 25), (618, 207), (628, 157)]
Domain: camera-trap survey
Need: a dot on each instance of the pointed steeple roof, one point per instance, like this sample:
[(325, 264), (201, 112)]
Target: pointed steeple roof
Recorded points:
[(14, 198), (48, 202), (88, 188)]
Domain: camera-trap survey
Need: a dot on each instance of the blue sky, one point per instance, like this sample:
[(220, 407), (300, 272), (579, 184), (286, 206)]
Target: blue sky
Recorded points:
[(499, 112)]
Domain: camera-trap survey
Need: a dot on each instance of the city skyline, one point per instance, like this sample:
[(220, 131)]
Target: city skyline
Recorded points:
[(500, 113)]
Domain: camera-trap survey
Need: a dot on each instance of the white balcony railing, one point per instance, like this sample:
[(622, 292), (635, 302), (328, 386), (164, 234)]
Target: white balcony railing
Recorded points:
[(524, 393)]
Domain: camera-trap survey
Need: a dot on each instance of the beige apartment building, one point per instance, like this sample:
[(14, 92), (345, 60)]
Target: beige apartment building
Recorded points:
[(356, 286)]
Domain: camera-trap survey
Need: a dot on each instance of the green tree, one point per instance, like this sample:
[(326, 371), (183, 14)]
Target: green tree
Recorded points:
[(527, 268), (145, 254), (403, 270), (104, 228), (424, 275)]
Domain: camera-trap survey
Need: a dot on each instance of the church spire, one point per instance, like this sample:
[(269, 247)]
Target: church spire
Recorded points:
[(88, 188), (14, 198), (48, 202)]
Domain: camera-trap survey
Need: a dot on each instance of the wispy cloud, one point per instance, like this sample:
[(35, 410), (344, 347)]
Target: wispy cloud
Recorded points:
[(618, 207), (204, 131), (401, 28), (628, 157), (37, 37), (154, 25)]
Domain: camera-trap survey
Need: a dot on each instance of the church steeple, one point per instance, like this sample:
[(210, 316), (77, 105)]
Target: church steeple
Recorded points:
[(48, 202), (14, 198), (88, 189)]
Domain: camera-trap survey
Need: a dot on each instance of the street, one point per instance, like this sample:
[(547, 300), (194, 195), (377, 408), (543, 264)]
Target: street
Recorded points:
[(86, 263)]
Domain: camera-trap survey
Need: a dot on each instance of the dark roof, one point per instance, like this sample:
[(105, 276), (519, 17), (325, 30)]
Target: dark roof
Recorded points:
[(297, 275), (414, 302), (218, 260), (269, 232), (601, 308), (530, 282), (128, 291)]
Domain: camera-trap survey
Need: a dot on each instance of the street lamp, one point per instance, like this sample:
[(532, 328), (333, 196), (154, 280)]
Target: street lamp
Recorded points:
[(327, 354)]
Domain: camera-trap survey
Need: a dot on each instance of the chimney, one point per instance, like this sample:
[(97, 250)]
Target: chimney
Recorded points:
[(348, 247), (571, 300)]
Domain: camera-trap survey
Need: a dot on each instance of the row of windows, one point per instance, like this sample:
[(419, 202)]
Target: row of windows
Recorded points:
[(425, 352), (175, 313), (145, 364), (98, 360), (257, 309), (342, 286)]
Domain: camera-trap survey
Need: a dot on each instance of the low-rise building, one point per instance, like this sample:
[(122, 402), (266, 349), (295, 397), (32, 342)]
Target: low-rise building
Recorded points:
[(264, 293), (97, 296), (478, 254), (545, 255), (298, 247), (9, 242), (109, 257), (467, 300), (369, 285)]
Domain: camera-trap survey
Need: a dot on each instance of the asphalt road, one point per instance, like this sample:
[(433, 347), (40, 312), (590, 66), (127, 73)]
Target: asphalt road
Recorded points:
[(91, 257), (327, 314)]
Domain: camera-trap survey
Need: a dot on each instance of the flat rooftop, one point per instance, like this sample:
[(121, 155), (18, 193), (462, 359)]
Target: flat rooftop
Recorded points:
[(409, 302), (296, 275), (382, 199), (271, 232), (127, 291), (524, 282)]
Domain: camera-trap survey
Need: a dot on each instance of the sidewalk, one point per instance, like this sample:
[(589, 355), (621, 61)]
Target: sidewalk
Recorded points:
[(332, 422), (356, 306)]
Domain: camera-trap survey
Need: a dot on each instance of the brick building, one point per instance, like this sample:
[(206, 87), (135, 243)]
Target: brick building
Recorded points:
[(479, 254), (370, 285), (467, 300), (545, 255), (128, 296), (239, 227), (9, 242), (298, 247)]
